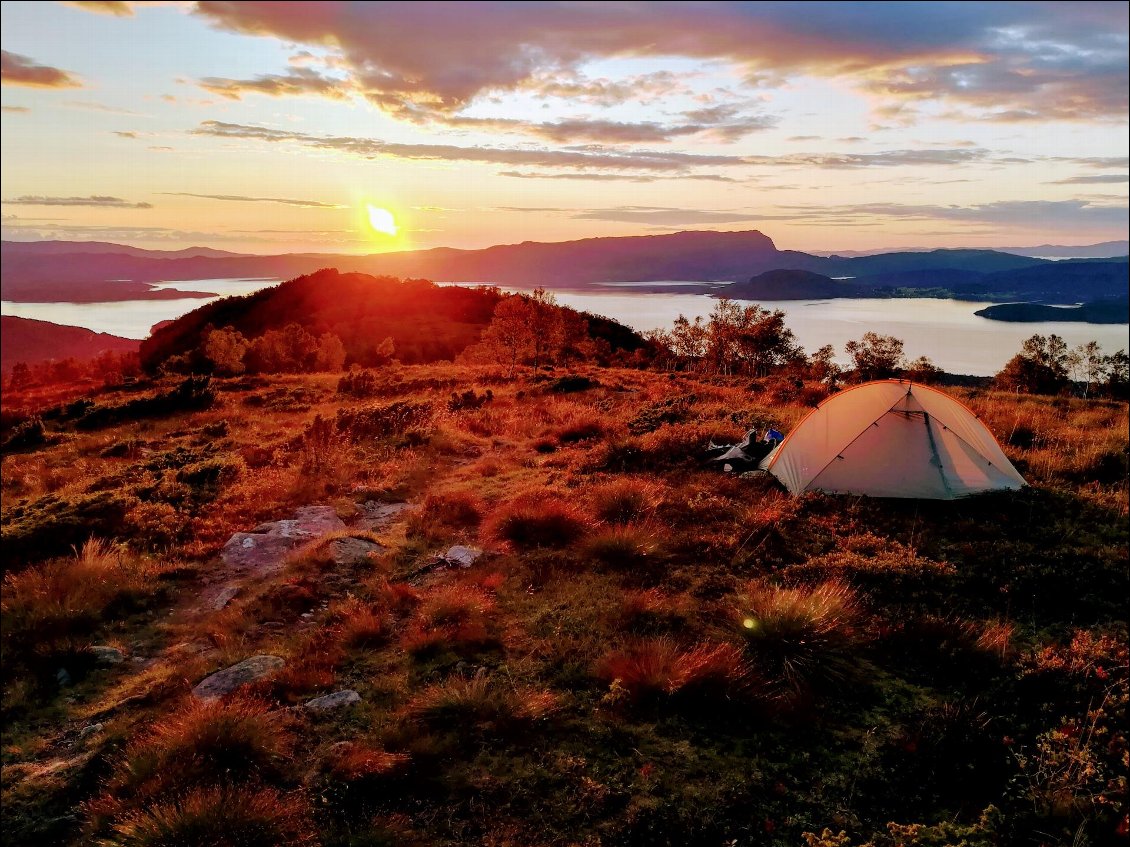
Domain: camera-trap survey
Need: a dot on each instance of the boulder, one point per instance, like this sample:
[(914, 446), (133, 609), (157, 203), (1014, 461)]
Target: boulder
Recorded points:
[(334, 701), (224, 682), (462, 556), (91, 729)]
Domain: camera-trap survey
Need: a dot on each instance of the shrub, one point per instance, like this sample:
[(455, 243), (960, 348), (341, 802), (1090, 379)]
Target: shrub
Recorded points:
[(377, 422), (624, 500), (191, 395), (360, 625), (55, 524), (659, 667), (537, 521), (652, 609), (453, 617), (50, 611), (580, 430), (27, 434), (219, 743), (352, 762), (217, 817), (804, 636)]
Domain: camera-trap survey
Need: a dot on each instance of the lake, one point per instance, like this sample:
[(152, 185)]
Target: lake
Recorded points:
[(945, 330)]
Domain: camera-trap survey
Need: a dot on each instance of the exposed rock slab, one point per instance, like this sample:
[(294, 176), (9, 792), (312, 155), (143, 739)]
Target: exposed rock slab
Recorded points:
[(352, 551), (334, 701), (225, 596), (224, 682), (266, 546), (376, 515)]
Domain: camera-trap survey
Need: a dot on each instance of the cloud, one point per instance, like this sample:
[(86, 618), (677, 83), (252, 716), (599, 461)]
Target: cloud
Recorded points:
[(125, 133), (605, 177), (1097, 161), (93, 106), (20, 70), (370, 148), (238, 198), (665, 216), (15, 110), (587, 157), (1093, 179), (105, 7), (987, 61), (614, 132), (93, 200), (297, 82)]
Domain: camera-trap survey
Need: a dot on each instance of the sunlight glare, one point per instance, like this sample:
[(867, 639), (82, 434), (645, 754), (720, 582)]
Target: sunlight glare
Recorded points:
[(381, 220)]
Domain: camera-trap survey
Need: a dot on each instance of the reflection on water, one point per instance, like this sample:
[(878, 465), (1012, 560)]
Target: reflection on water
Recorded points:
[(945, 330)]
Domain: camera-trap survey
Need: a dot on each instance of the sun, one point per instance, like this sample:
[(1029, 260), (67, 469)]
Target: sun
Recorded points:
[(381, 220)]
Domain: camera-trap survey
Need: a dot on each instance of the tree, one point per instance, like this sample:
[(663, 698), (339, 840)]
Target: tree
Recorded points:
[(1087, 365), (875, 356), (508, 337), (225, 349), (688, 340), (385, 352), (572, 336), (21, 376), (1117, 367), (1039, 368), (822, 365), (544, 326), (922, 370), (330, 355)]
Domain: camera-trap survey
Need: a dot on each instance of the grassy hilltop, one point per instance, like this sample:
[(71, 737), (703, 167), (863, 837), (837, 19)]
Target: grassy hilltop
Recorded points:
[(649, 652)]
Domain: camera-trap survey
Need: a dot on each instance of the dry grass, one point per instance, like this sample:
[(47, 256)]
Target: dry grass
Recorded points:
[(803, 635), (51, 610), (217, 817), (625, 500), (483, 703), (537, 521), (658, 667)]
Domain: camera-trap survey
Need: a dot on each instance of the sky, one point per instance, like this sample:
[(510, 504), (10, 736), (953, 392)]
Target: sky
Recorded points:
[(269, 127)]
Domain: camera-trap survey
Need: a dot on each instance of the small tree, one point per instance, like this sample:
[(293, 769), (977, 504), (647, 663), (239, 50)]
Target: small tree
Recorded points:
[(1088, 366), (1039, 368), (923, 370), (822, 365), (573, 336), (20, 378), (508, 338), (225, 349), (330, 355), (875, 356)]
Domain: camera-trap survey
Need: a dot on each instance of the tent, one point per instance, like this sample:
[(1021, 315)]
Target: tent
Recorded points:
[(892, 438)]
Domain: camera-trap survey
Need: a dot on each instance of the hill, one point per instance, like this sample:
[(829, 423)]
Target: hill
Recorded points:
[(426, 322), (692, 256), (1103, 312), (31, 342)]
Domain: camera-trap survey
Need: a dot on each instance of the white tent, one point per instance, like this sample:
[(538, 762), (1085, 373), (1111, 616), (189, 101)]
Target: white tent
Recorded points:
[(892, 438)]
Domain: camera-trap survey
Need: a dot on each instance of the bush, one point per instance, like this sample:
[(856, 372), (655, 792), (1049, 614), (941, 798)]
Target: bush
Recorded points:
[(191, 395), (25, 435), (804, 636), (537, 521), (217, 817), (441, 514), (377, 422), (54, 524)]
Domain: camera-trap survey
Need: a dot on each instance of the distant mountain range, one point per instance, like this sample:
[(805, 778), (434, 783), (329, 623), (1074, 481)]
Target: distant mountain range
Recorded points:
[(54, 271), (30, 341), (1066, 281), (1102, 250)]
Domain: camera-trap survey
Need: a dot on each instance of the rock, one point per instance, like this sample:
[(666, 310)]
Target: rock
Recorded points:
[(266, 546), (106, 655), (352, 551), (226, 595), (334, 701), (257, 550), (462, 556), (63, 678), (228, 680), (92, 729), (376, 515)]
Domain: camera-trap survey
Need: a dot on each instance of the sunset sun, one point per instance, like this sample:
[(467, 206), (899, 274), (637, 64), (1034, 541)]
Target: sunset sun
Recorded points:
[(381, 220)]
